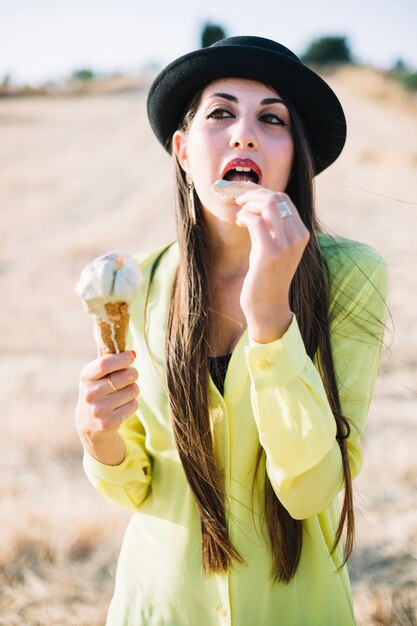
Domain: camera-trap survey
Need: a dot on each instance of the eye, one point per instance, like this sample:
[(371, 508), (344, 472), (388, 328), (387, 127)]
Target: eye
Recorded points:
[(274, 119), (219, 114)]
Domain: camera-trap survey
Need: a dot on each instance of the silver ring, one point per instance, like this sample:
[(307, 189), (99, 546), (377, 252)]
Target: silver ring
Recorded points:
[(284, 208), (112, 385)]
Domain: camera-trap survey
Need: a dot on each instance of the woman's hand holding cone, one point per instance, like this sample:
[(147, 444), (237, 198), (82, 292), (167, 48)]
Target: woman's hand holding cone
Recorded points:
[(107, 396)]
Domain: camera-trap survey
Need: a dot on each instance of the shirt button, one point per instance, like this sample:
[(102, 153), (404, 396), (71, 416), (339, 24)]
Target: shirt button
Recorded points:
[(264, 364), (217, 413), (221, 611)]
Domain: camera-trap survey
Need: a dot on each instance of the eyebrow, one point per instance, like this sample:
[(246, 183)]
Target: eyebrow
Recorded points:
[(228, 96)]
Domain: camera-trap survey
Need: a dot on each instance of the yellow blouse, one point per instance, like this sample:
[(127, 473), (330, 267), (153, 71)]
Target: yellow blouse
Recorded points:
[(274, 395)]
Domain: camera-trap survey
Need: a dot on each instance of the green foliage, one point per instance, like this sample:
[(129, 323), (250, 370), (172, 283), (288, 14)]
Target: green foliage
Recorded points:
[(327, 50), (211, 33), (409, 80), (399, 67), (82, 74), (405, 76)]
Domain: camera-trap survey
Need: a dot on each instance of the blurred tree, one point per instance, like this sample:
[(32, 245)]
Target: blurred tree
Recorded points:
[(400, 67), (402, 72), (409, 80), (330, 49), (211, 33), (82, 74), (5, 84)]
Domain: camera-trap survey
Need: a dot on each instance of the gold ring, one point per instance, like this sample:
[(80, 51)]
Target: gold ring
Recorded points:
[(112, 385)]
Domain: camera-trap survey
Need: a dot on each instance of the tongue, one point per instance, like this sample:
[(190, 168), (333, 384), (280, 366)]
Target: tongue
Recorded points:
[(232, 175)]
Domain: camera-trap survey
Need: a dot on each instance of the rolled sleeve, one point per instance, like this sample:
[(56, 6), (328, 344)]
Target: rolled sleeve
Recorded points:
[(125, 484)]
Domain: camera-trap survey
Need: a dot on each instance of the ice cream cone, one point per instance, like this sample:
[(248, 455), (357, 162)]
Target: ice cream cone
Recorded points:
[(111, 334), (107, 287)]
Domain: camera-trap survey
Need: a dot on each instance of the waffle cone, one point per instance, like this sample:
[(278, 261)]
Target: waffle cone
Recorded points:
[(112, 334)]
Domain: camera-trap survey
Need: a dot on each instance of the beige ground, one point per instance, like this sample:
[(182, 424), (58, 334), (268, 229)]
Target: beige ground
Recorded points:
[(83, 175)]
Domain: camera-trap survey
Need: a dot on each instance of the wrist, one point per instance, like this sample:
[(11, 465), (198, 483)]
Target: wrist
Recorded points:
[(266, 330), (106, 447)]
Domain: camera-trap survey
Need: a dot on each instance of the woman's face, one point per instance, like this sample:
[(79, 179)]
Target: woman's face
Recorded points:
[(236, 119)]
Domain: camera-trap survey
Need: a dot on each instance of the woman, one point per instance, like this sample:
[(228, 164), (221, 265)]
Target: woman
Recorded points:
[(258, 339)]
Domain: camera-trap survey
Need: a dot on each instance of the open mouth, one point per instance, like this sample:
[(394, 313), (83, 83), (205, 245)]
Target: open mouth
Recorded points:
[(242, 170), (242, 174)]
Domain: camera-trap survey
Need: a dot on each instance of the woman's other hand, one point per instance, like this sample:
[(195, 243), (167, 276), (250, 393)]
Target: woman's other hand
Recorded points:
[(107, 396), (278, 244)]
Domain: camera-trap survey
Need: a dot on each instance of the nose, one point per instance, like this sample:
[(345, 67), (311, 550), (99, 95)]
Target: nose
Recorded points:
[(243, 135)]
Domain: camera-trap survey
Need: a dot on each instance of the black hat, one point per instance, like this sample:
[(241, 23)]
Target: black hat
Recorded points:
[(258, 59)]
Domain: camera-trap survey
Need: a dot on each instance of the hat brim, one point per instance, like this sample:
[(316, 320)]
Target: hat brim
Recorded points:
[(316, 103)]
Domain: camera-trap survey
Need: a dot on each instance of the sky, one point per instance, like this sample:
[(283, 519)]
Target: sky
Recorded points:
[(48, 39)]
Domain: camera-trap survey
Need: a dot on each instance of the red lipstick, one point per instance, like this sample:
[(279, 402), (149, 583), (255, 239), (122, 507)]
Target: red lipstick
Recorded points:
[(246, 163)]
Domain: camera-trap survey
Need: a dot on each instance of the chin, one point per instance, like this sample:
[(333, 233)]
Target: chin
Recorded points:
[(226, 214)]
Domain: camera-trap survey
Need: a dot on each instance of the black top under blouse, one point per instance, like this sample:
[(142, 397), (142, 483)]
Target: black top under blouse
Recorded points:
[(218, 367)]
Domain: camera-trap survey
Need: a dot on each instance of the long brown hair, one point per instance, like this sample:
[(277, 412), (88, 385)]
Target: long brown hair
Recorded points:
[(187, 371)]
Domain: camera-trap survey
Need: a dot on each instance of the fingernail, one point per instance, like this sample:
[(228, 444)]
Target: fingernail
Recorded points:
[(133, 353)]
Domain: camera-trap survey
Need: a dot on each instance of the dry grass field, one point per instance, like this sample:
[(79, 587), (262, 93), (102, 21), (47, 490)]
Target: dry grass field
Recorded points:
[(83, 175)]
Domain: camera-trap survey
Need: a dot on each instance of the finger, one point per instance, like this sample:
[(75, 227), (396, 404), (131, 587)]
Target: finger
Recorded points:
[(104, 408), (258, 229), (111, 420), (285, 203), (275, 222), (265, 205), (278, 212), (102, 366), (119, 379), (287, 231), (122, 413), (123, 396), (258, 199), (97, 390), (111, 383), (282, 216), (254, 195), (295, 228)]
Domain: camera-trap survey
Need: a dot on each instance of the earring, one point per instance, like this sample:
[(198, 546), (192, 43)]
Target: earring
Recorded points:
[(191, 204)]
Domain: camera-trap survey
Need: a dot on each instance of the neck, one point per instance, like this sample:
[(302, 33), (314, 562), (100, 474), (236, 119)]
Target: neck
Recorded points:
[(229, 248)]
